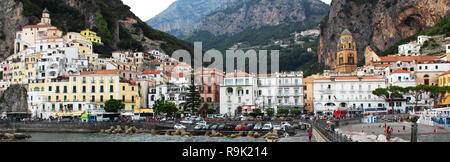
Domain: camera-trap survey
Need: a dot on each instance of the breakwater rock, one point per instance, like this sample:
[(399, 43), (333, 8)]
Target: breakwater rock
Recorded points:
[(14, 136)]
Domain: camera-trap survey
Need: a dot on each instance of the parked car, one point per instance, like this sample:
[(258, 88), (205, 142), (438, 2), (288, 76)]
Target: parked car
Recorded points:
[(202, 123), (240, 127), (187, 122), (198, 127), (206, 126), (258, 126), (249, 127), (179, 126), (277, 127), (214, 126), (221, 127), (229, 127), (267, 127), (250, 118)]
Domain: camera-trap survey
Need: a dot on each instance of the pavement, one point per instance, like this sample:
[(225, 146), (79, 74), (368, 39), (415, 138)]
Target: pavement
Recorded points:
[(301, 136), (375, 131)]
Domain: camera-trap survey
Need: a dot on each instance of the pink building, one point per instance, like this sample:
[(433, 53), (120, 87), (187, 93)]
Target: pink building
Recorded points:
[(6, 72), (208, 82)]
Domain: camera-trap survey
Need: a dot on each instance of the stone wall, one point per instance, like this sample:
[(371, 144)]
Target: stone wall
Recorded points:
[(76, 127)]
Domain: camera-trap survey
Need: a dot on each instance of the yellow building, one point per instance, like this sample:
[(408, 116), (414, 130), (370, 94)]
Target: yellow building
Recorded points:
[(347, 54), (87, 91), (78, 41), (17, 71), (91, 36), (444, 80)]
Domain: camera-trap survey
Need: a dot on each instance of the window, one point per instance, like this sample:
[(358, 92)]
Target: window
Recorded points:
[(101, 98), (111, 88), (57, 89), (65, 89), (101, 89), (84, 89), (74, 89), (93, 89), (93, 99)]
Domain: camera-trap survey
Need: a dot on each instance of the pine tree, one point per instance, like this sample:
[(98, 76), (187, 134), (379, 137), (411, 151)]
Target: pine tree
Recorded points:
[(193, 100)]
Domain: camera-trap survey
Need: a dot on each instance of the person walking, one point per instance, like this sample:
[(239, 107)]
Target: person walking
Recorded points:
[(310, 135), (388, 134)]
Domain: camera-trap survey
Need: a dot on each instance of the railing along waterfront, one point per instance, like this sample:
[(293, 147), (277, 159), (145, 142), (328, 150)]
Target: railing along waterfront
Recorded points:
[(328, 133)]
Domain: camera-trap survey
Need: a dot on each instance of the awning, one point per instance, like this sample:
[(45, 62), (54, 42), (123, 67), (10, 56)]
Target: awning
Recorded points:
[(136, 111)]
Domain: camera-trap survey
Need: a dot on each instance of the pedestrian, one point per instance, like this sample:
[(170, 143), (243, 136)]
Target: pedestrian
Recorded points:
[(404, 128), (310, 135), (388, 134)]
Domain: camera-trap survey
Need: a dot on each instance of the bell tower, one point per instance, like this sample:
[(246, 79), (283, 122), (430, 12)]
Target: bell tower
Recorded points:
[(45, 20), (347, 56)]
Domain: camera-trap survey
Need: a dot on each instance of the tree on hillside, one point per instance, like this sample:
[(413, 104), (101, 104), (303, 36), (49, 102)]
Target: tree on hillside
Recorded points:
[(416, 92), (193, 99), (283, 111), (114, 105), (269, 112), (437, 93), (168, 107), (390, 94)]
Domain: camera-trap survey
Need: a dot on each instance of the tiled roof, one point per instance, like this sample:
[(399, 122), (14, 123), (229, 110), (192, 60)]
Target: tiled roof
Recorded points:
[(351, 78), (36, 26), (239, 74), (448, 72), (400, 71), (152, 72), (407, 58)]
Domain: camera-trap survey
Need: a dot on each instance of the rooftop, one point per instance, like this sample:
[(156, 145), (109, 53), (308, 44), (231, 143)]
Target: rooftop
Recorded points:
[(400, 71)]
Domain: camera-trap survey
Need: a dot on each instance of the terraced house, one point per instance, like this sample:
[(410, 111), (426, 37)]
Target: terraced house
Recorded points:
[(87, 92)]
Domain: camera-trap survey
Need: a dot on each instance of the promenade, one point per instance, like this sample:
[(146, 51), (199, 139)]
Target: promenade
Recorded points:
[(375, 132)]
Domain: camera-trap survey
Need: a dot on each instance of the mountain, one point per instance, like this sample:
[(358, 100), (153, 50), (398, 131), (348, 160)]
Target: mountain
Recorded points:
[(102, 16), (259, 24), (258, 13), (180, 18), (379, 24)]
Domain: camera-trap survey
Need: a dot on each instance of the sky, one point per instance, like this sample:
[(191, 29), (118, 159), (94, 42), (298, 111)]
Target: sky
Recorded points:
[(146, 9)]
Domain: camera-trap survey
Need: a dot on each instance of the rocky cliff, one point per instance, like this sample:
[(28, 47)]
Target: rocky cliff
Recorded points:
[(14, 99), (377, 23), (258, 13), (180, 18), (11, 20)]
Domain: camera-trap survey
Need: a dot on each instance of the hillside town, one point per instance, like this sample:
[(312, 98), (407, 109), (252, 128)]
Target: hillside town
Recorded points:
[(63, 75)]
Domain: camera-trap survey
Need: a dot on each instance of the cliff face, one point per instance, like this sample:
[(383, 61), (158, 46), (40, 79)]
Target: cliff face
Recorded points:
[(11, 20), (14, 99), (257, 13), (180, 18), (378, 23)]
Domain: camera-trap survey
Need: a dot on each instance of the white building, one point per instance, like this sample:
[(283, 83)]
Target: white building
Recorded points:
[(290, 90), (348, 93), (401, 78), (238, 90), (447, 48), (410, 49), (422, 39)]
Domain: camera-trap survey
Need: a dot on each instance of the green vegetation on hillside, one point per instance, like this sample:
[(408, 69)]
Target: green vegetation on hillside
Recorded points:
[(63, 16), (292, 58), (107, 13), (442, 28)]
